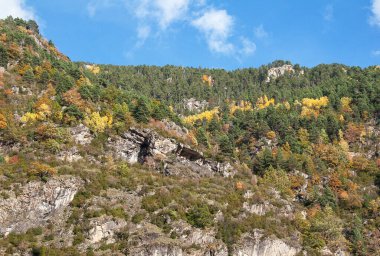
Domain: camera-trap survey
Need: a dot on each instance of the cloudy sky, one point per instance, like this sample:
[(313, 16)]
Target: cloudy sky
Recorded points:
[(208, 33)]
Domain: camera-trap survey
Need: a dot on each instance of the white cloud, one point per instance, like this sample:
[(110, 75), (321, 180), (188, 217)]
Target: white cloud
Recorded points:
[(328, 14), (154, 17), (16, 8), (375, 19), (260, 32), (217, 26), (248, 47), (164, 12), (171, 10), (94, 5), (376, 53), (143, 33)]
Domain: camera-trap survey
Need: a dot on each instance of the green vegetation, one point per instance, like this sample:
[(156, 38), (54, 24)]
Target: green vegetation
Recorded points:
[(311, 136)]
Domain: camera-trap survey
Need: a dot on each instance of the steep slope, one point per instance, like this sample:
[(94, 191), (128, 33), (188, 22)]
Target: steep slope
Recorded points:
[(107, 160)]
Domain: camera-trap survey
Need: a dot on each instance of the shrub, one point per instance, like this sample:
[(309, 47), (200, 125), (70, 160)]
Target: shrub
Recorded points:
[(278, 179), (138, 217), (41, 170), (118, 213), (200, 216)]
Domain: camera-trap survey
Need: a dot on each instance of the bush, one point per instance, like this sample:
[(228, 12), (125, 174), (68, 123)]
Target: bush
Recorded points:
[(200, 216), (138, 217), (41, 170), (118, 213)]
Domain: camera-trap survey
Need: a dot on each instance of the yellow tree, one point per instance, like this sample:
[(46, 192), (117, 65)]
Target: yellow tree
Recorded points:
[(207, 115), (345, 104), (3, 121), (97, 123), (264, 102), (311, 107)]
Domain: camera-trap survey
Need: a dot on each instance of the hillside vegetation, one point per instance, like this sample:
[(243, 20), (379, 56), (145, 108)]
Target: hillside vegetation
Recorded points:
[(160, 156)]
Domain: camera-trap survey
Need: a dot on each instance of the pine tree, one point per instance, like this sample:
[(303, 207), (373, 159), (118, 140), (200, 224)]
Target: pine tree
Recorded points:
[(3, 57), (141, 112)]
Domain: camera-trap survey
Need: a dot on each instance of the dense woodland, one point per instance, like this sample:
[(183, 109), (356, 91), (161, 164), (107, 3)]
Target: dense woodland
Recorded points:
[(321, 121)]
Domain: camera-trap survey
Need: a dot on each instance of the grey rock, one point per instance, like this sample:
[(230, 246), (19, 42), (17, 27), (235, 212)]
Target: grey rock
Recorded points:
[(69, 155), (139, 145), (147, 239), (171, 126), (255, 244), (276, 72), (104, 228), (259, 209), (81, 135), (195, 105), (37, 203)]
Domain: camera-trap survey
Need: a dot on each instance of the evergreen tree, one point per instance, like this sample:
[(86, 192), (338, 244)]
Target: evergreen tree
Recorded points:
[(226, 146), (263, 161), (141, 112), (3, 56)]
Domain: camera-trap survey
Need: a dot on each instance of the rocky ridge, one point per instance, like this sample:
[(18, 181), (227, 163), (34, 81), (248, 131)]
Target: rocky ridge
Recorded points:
[(163, 154)]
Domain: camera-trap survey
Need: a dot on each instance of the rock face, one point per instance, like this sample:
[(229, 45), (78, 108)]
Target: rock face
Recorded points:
[(69, 155), (81, 134), (37, 203), (255, 245), (147, 239), (171, 126), (259, 209), (276, 72), (166, 155), (194, 105), (104, 228), (129, 146)]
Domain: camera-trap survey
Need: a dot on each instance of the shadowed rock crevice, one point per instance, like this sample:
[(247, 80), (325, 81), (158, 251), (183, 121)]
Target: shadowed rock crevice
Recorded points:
[(137, 145)]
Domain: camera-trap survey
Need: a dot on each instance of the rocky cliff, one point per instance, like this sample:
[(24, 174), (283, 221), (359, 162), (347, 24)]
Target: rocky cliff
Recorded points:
[(164, 154), (36, 203)]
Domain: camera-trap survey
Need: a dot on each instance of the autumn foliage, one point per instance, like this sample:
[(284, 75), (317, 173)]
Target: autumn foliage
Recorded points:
[(73, 97), (207, 115), (311, 107), (3, 121), (98, 123), (264, 102), (41, 170)]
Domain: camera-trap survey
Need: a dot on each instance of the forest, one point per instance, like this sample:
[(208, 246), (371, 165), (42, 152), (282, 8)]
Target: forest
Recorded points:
[(311, 134)]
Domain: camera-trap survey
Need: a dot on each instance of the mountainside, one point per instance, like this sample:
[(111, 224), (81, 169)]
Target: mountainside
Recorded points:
[(143, 160)]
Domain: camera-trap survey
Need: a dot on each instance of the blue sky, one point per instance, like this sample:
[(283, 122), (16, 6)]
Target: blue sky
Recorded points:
[(206, 33)]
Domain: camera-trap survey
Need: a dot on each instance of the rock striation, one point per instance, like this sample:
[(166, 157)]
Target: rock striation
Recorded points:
[(166, 155), (255, 244), (36, 203)]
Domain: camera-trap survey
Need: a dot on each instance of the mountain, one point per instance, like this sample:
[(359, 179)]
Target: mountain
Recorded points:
[(144, 160)]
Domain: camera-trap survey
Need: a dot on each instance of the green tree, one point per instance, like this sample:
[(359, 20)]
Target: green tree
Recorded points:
[(263, 161), (202, 137), (226, 145), (3, 56), (142, 112), (32, 25), (200, 216)]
